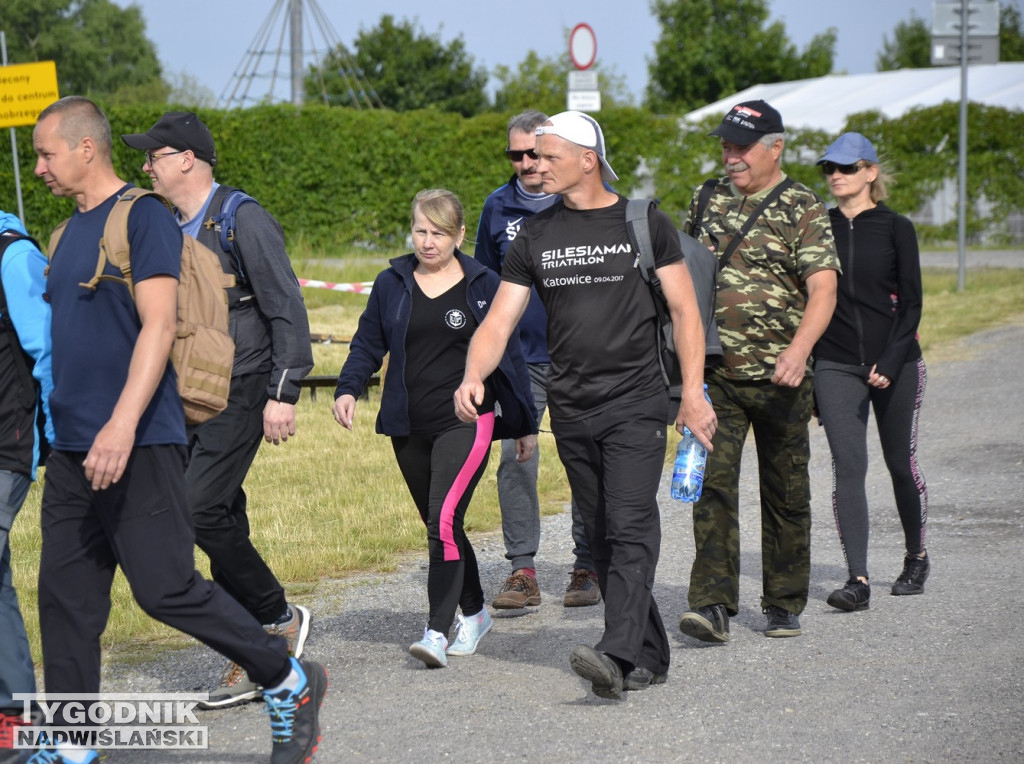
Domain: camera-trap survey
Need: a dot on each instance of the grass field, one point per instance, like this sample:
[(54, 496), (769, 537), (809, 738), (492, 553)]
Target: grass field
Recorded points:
[(331, 502)]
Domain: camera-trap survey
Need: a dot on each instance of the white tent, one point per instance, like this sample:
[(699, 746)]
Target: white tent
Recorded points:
[(824, 103)]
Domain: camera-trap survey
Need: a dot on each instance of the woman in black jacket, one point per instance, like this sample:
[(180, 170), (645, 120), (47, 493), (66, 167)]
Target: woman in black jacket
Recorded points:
[(423, 310), (869, 355)]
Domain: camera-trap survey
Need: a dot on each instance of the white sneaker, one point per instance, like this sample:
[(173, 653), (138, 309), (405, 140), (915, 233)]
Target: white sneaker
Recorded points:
[(468, 633), (430, 649)]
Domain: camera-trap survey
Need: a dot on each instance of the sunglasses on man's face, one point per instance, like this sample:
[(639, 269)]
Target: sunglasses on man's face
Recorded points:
[(516, 155), (828, 168)]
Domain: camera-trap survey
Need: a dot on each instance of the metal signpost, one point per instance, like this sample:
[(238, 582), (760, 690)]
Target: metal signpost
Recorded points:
[(976, 40)]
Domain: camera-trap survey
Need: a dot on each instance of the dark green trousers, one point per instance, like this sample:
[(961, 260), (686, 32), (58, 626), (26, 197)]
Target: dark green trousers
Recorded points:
[(779, 418)]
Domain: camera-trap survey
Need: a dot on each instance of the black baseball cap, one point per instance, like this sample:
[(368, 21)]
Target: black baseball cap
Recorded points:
[(182, 130), (746, 122)]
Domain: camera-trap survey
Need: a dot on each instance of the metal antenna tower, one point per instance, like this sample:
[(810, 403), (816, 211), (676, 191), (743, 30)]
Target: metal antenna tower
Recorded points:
[(258, 74)]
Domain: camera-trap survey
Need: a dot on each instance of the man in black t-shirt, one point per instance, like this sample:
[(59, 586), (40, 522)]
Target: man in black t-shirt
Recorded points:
[(606, 393)]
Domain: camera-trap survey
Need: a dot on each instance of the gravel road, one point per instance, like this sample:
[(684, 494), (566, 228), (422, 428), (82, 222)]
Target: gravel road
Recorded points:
[(938, 677)]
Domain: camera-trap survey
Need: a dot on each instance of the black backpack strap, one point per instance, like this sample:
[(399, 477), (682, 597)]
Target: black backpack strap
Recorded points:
[(702, 204), (767, 202), (21, 360)]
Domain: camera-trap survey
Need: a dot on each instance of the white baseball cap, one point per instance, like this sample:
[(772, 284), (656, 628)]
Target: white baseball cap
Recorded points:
[(583, 130)]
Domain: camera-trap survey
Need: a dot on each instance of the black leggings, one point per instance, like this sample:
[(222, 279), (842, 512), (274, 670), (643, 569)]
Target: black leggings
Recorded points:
[(442, 470), (843, 396)]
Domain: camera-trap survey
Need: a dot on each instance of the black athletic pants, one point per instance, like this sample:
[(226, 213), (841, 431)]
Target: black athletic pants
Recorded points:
[(221, 451), (442, 471), (142, 524), (614, 461)]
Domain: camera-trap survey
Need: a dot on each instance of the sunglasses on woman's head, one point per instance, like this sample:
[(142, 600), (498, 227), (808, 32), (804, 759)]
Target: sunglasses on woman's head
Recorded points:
[(827, 168)]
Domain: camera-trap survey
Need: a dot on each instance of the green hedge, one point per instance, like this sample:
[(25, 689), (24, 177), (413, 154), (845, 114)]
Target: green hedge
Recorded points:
[(338, 178)]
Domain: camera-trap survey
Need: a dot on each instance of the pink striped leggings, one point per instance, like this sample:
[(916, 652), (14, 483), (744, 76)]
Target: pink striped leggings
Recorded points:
[(442, 470)]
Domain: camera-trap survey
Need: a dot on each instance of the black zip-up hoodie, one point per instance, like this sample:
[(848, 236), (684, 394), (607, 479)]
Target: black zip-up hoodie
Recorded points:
[(878, 308)]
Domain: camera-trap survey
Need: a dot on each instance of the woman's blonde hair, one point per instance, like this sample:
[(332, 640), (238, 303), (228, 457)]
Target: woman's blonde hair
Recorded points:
[(880, 185), (442, 208)]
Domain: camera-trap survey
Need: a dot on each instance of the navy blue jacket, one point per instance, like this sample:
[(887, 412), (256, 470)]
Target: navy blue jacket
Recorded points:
[(505, 211), (382, 329)]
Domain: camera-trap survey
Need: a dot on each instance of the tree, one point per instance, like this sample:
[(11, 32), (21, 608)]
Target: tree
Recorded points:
[(101, 49), (1011, 34), (541, 83), (910, 47), (711, 48), (406, 69)]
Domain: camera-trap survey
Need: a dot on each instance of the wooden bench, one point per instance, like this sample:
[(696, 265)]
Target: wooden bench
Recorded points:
[(316, 381)]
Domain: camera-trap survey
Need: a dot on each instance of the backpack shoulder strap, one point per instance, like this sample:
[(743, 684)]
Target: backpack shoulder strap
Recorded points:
[(19, 359), (767, 202), (8, 237), (55, 237), (225, 223), (639, 227), (702, 204), (114, 246)]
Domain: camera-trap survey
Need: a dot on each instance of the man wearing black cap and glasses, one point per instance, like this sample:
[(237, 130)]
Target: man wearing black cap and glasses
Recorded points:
[(606, 393), (272, 353), (776, 293)]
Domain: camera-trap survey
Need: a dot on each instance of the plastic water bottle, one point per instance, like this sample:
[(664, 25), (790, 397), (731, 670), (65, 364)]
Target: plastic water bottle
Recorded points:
[(688, 471)]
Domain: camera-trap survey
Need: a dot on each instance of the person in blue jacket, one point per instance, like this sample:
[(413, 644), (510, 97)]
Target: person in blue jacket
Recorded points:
[(24, 329), (423, 310), (870, 357)]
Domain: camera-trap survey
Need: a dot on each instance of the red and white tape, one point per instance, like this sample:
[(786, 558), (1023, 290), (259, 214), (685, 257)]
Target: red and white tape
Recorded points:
[(360, 287)]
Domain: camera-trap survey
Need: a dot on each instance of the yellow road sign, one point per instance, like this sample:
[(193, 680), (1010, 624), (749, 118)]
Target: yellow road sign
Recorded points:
[(25, 90)]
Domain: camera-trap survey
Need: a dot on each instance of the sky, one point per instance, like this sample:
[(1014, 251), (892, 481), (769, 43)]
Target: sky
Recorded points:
[(209, 40)]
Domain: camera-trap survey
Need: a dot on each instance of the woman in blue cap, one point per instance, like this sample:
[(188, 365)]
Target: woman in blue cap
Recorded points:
[(870, 357)]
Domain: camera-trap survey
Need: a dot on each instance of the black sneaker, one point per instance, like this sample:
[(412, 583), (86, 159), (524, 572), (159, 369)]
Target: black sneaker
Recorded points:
[(781, 623), (856, 595), (603, 672), (708, 624), (295, 715), (641, 678), (915, 573)]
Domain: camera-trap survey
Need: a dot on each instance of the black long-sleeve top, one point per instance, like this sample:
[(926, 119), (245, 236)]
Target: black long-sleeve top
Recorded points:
[(878, 307)]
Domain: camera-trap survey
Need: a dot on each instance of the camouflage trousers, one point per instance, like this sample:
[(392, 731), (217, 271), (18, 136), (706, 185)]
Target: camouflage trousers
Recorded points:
[(779, 418)]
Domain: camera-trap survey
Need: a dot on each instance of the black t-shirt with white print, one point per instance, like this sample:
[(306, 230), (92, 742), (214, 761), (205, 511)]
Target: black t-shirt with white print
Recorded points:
[(602, 326), (436, 344)]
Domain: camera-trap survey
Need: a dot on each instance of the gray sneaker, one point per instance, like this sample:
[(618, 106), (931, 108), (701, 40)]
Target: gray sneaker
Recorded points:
[(708, 624), (235, 688)]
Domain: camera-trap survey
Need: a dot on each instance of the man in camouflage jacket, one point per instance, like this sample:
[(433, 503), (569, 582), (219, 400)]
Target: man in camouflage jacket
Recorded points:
[(776, 295)]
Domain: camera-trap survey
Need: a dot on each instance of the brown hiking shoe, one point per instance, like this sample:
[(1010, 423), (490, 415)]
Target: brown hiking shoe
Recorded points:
[(519, 590), (582, 590), (295, 629), (235, 688)]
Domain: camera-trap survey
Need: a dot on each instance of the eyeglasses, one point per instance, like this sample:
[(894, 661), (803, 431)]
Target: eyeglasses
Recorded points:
[(827, 168), (151, 157), (516, 155)]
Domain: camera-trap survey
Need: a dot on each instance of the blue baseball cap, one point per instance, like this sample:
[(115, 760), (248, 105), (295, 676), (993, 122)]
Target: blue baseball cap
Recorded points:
[(850, 148)]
